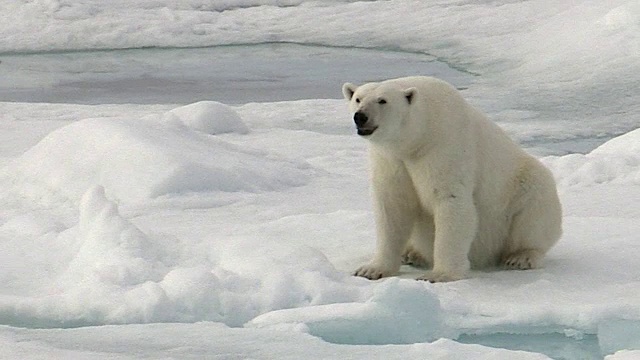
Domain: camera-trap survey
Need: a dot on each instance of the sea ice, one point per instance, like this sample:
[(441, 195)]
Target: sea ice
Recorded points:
[(618, 334), (103, 220)]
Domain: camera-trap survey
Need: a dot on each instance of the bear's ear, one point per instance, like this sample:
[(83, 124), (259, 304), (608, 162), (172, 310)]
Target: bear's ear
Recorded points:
[(410, 93), (348, 89)]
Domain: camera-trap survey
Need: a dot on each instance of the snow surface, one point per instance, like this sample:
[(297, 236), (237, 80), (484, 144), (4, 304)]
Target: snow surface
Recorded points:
[(217, 231)]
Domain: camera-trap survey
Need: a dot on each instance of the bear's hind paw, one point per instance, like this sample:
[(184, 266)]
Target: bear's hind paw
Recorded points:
[(522, 260)]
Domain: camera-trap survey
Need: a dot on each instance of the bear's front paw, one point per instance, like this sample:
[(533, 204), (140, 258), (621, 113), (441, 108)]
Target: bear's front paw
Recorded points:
[(437, 276), (372, 272)]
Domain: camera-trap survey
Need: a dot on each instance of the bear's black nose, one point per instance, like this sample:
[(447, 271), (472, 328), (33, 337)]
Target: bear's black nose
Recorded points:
[(360, 118)]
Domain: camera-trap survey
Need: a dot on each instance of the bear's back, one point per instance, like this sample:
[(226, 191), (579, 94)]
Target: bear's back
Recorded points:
[(438, 95), (425, 83)]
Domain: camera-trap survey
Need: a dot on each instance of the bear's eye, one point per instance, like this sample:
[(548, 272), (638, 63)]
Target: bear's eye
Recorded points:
[(382, 101), (357, 100)]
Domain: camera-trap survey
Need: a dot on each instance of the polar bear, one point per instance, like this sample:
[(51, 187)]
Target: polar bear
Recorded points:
[(450, 189)]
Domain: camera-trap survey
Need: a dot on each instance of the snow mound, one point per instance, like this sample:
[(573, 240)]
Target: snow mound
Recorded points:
[(399, 312), (626, 145), (118, 274), (616, 161), (111, 249), (147, 158), (211, 117)]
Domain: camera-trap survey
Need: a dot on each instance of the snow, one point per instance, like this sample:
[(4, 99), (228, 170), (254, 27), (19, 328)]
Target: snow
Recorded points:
[(215, 230)]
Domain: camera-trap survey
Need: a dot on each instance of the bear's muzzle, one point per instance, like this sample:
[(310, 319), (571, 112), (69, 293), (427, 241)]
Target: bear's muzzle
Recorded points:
[(361, 119)]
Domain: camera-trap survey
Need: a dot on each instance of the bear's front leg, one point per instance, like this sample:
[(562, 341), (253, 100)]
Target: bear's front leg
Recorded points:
[(456, 222), (393, 230), (395, 208)]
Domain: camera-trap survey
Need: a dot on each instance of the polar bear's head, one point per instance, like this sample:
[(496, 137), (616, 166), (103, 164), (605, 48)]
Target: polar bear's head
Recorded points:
[(380, 110)]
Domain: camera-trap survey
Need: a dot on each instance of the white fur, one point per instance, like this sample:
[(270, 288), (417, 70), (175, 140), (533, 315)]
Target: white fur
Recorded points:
[(450, 188)]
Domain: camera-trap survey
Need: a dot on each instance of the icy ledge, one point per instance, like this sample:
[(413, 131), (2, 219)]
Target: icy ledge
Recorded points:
[(399, 312)]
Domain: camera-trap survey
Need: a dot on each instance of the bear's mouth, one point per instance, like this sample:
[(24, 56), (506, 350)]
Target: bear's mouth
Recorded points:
[(366, 131)]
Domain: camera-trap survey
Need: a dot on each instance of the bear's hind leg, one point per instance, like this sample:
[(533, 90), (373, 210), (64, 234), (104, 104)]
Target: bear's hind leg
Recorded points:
[(538, 226)]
